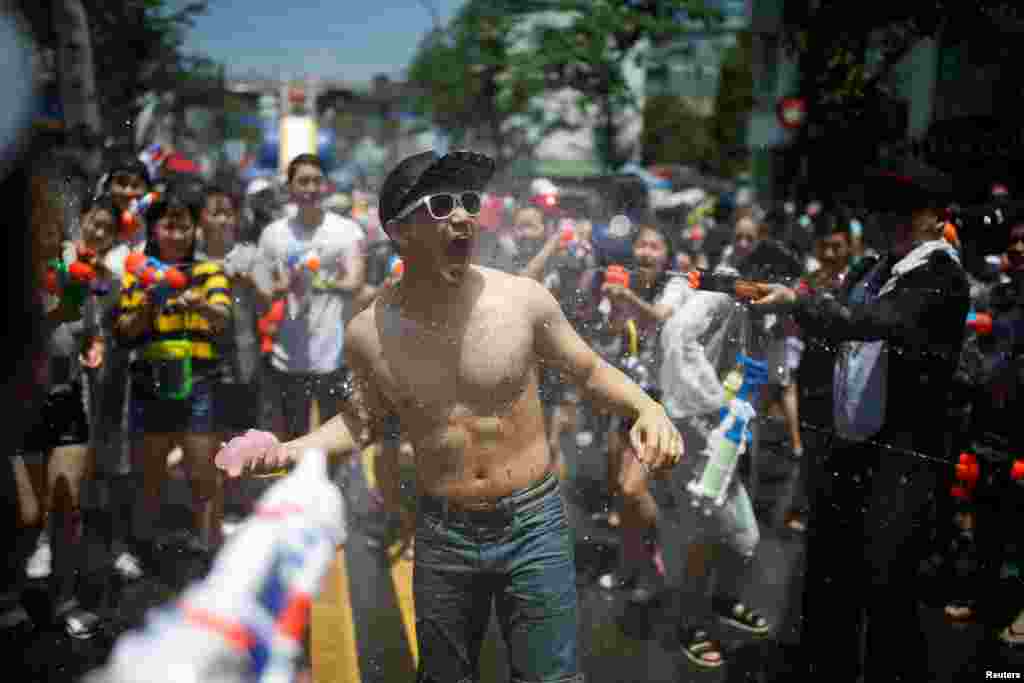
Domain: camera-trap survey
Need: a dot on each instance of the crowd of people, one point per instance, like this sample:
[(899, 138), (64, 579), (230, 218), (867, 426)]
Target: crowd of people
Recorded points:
[(179, 315)]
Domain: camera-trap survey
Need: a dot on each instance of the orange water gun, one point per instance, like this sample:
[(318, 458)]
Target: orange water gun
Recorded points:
[(160, 280), (71, 282), (131, 218), (268, 324), (725, 283)]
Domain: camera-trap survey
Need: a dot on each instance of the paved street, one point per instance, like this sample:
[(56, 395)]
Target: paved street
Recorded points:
[(620, 643)]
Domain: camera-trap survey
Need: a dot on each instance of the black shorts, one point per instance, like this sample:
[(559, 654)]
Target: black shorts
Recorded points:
[(237, 406), (154, 414), (62, 421)]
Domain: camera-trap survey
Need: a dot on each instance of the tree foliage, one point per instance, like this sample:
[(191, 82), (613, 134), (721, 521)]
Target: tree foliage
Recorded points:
[(588, 51), (137, 47), (848, 50), (468, 86), (489, 72), (848, 53)]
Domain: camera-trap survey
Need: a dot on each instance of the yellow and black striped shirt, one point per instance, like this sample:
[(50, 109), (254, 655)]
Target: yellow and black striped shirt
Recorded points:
[(173, 325)]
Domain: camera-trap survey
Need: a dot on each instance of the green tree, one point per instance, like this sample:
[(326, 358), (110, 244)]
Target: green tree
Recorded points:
[(586, 46), (136, 47), (674, 132), (847, 53), (734, 101), (468, 86)]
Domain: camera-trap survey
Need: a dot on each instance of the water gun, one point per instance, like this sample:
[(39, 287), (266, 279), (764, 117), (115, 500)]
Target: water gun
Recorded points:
[(727, 283), (71, 283), (160, 279), (968, 472), (299, 258), (979, 323), (268, 323), (567, 233), (613, 275), (245, 620), (730, 439), (949, 234), (131, 218), (396, 267)]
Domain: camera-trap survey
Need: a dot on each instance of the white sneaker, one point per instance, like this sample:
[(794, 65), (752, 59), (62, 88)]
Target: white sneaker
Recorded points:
[(39, 565), (128, 566), (584, 439)]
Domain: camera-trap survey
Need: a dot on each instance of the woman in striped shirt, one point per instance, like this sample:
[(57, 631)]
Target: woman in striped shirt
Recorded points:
[(175, 335)]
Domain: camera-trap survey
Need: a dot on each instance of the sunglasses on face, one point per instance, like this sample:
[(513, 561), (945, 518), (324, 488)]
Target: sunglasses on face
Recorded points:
[(443, 205)]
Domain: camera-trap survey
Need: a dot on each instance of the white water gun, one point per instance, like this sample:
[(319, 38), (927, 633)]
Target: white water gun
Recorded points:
[(731, 437), (245, 621)]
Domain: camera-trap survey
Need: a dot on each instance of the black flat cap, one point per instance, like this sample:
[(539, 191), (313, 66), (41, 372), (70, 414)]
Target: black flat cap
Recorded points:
[(424, 173), (910, 185)]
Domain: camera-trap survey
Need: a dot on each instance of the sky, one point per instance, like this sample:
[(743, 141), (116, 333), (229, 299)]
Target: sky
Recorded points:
[(348, 40)]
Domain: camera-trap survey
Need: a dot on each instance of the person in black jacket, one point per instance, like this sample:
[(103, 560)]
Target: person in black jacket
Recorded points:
[(897, 324)]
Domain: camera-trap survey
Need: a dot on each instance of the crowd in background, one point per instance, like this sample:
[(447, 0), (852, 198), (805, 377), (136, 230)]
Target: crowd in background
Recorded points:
[(146, 375)]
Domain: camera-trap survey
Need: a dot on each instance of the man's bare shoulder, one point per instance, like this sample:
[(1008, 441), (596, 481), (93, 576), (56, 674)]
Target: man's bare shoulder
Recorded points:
[(518, 292), (362, 334), (509, 283)]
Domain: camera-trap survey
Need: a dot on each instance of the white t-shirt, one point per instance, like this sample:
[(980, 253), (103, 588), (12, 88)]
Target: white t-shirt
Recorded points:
[(310, 339)]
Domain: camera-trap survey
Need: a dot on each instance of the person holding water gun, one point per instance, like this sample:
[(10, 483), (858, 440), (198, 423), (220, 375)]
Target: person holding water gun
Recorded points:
[(61, 429), (320, 257), (127, 181), (898, 324), (635, 317), (175, 331), (993, 390)]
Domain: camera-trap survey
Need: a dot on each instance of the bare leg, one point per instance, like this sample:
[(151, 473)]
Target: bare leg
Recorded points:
[(207, 487), (30, 512), (791, 411), (149, 454)]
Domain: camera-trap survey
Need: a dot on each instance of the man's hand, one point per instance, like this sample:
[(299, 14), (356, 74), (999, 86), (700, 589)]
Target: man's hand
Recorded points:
[(254, 452), (655, 440), (777, 294), (93, 352)]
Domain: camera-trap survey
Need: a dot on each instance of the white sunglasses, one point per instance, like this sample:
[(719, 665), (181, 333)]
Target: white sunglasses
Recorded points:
[(443, 205)]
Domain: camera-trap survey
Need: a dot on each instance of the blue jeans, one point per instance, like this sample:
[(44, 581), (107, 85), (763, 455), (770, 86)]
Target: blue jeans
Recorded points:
[(521, 558)]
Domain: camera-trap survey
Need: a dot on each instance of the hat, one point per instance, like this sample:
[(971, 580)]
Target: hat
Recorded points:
[(912, 185), (423, 173)]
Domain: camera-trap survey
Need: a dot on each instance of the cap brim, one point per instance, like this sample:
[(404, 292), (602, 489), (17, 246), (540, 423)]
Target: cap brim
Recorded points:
[(461, 170)]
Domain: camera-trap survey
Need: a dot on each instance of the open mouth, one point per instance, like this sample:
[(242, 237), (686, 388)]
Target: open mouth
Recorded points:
[(460, 248)]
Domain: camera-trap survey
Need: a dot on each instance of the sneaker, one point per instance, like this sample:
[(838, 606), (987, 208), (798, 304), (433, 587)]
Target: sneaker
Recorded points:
[(741, 617), (81, 624), (39, 564), (700, 648), (615, 580), (128, 566)]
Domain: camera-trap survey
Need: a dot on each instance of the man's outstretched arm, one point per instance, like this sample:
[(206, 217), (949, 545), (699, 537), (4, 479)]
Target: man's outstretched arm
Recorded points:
[(557, 344), (358, 423)]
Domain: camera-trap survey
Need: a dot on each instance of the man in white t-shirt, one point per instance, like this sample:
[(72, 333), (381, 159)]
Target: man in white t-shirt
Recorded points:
[(306, 361)]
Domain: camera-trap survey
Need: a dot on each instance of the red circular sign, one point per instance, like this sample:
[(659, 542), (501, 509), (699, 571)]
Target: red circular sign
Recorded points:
[(792, 112)]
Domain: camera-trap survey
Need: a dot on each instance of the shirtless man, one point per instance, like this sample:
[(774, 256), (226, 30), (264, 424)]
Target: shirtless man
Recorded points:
[(454, 352)]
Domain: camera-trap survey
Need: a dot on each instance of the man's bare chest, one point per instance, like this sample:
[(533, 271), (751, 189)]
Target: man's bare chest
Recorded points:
[(481, 368)]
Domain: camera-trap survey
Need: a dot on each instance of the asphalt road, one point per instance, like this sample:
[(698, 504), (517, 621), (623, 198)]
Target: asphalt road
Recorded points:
[(619, 643)]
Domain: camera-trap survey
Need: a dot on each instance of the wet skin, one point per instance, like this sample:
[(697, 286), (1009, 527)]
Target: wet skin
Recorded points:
[(454, 351)]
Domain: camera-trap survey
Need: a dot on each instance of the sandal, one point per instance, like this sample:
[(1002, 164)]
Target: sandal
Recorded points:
[(700, 648), (742, 617), (1012, 636), (960, 611)]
